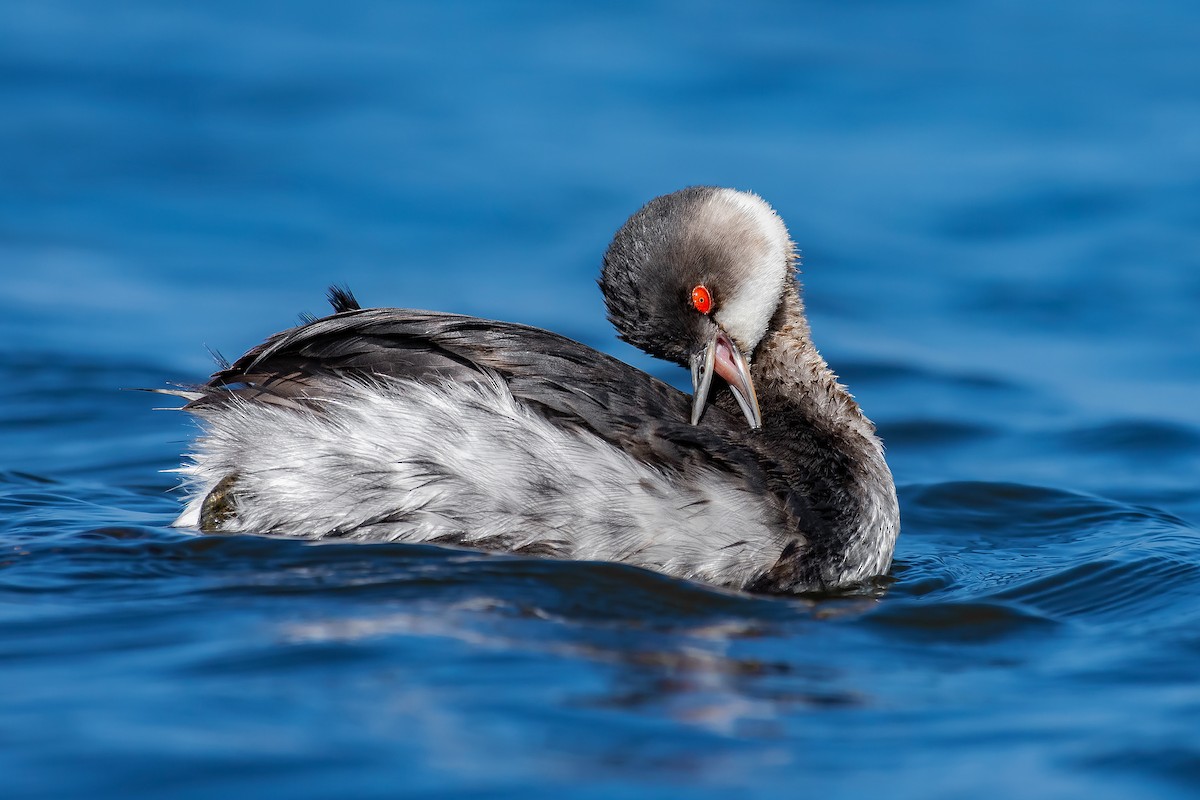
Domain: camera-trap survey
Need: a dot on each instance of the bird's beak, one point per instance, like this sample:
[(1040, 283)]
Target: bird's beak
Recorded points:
[(721, 356)]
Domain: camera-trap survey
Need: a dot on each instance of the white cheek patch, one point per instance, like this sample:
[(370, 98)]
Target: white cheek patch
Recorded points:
[(765, 250)]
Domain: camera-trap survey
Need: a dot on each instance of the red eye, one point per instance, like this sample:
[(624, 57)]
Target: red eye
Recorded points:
[(702, 299)]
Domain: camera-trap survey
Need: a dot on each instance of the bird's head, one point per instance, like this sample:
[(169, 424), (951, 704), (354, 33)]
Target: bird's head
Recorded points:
[(695, 277)]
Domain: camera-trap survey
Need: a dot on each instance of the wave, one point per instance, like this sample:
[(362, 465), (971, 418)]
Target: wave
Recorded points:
[(1053, 554)]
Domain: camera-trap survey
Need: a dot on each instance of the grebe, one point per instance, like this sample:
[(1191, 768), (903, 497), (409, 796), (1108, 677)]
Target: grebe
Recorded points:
[(418, 426)]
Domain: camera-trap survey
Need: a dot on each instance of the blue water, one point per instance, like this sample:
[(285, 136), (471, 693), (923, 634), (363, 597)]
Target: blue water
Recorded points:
[(998, 205)]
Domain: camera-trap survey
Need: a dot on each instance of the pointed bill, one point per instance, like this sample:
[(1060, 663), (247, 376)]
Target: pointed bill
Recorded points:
[(702, 375), (721, 356)]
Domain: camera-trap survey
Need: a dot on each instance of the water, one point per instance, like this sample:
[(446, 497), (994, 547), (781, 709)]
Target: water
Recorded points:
[(999, 209)]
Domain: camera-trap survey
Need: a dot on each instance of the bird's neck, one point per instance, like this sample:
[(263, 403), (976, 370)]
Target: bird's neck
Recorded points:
[(814, 422), (792, 373)]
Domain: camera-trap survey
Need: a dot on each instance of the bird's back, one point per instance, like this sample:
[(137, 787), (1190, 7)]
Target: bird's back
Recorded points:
[(387, 424)]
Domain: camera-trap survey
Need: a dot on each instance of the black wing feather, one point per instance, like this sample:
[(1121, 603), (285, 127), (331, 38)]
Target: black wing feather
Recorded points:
[(570, 383), (342, 299)]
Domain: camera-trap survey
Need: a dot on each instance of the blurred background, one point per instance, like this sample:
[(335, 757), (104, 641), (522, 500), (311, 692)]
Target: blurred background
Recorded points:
[(1001, 188), (998, 207)]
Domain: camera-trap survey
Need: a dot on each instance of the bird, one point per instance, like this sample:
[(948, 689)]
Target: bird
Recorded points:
[(397, 425)]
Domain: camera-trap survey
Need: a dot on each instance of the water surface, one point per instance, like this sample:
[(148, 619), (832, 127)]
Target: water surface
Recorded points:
[(998, 206)]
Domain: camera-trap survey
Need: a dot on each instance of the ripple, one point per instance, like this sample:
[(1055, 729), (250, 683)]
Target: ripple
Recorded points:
[(1177, 762), (1017, 509), (957, 622), (18, 478), (935, 432), (1135, 439), (907, 375), (1062, 555), (1114, 591)]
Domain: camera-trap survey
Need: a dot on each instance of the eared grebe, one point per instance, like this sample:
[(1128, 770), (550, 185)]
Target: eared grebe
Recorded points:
[(417, 426)]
